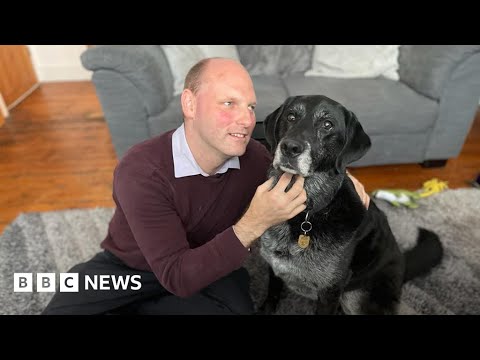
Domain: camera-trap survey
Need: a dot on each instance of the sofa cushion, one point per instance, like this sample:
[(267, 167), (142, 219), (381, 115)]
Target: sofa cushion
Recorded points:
[(182, 57), (270, 95), (354, 61), (225, 51), (275, 59), (378, 103)]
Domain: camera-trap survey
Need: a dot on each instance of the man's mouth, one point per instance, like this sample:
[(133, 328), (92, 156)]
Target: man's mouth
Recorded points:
[(239, 135)]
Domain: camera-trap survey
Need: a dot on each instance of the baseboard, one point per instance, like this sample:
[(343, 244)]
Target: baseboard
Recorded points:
[(24, 96), (62, 73)]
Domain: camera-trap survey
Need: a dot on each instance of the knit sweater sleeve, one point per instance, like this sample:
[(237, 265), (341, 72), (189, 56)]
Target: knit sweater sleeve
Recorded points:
[(147, 203)]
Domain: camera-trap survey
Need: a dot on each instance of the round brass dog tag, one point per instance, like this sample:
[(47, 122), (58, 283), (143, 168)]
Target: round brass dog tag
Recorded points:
[(303, 241)]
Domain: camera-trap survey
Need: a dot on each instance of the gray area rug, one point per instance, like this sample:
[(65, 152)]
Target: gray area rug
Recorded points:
[(53, 242)]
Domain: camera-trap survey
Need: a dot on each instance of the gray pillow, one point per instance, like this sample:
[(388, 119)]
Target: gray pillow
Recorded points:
[(279, 60)]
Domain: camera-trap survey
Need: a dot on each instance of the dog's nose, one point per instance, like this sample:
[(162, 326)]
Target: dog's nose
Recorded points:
[(291, 148)]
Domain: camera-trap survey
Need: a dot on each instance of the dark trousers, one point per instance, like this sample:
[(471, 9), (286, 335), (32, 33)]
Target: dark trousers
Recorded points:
[(228, 295)]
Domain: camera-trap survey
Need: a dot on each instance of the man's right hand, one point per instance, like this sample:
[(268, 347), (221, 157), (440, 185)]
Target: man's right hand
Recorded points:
[(270, 207)]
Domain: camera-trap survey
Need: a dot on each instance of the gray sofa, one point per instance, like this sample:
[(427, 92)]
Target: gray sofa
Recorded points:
[(422, 118)]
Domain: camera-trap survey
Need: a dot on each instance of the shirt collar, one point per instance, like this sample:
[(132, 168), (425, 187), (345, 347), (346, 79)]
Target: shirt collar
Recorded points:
[(184, 163)]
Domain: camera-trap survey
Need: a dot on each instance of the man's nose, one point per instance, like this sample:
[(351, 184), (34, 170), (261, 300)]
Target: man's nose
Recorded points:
[(246, 118)]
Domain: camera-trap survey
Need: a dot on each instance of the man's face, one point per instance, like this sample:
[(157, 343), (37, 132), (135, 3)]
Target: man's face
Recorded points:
[(224, 112)]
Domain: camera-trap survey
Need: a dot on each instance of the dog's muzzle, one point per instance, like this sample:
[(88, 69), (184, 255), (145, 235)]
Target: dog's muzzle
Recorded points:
[(294, 157)]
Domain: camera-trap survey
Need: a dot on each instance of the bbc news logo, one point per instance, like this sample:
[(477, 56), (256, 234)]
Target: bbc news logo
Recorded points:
[(69, 282)]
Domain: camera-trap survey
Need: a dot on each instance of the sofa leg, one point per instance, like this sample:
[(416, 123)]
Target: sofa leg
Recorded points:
[(434, 163)]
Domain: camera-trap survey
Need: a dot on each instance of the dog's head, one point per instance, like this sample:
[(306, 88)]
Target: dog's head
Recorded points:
[(314, 133)]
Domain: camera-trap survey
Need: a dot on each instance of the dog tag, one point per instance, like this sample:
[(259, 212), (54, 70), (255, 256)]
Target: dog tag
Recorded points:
[(303, 241)]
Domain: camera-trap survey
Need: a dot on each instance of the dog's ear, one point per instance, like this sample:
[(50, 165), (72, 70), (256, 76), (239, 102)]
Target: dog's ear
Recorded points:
[(357, 142), (270, 124)]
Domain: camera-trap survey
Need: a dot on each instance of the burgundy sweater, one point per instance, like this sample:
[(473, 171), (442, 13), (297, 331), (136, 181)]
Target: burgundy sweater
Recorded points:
[(181, 229)]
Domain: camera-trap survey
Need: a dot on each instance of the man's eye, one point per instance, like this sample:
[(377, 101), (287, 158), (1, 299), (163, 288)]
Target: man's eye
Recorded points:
[(291, 117), (327, 125), (228, 103), (252, 107)]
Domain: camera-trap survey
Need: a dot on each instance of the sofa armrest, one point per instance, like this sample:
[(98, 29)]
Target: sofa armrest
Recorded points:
[(457, 108), (449, 74), (145, 66), (133, 83), (428, 68), (123, 108)]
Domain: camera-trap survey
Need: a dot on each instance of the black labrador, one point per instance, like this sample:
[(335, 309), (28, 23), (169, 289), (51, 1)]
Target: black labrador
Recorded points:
[(336, 251)]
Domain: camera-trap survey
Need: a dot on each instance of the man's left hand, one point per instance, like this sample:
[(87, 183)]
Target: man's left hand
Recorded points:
[(360, 190)]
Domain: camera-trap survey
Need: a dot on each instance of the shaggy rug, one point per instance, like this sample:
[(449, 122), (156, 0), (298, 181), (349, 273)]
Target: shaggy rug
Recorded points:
[(55, 241)]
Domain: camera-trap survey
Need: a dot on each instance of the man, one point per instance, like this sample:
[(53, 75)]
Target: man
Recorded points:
[(190, 203)]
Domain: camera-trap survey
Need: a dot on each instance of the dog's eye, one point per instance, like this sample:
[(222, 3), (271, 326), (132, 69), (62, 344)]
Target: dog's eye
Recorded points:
[(291, 117), (327, 125)]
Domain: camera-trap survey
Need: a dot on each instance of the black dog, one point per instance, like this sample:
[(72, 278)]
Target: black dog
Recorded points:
[(336, 251)]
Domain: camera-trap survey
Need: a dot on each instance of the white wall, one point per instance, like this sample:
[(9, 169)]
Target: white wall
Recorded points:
[(59, 62)]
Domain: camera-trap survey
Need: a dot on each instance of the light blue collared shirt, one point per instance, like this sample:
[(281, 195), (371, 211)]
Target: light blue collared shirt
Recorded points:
[(184, 163)]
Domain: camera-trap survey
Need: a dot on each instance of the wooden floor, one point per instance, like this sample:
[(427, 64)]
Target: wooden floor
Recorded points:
[(56, 153)]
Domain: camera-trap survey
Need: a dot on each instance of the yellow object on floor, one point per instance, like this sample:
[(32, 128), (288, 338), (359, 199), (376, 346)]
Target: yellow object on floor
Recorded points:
[(432, 186)]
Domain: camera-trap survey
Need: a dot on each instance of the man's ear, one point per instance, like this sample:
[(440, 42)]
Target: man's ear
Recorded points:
[(188, 103), (357, 142), (270, 124)]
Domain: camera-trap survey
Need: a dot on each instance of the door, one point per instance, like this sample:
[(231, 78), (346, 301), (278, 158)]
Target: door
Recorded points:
[(17, 75)]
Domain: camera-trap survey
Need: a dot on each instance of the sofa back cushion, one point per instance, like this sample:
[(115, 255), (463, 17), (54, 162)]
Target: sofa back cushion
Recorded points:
[(355, 61), (281, 60), (182, 57)]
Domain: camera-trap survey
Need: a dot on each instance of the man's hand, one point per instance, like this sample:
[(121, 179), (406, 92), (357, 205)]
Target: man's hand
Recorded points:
[(360, 190), (271, 207)]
